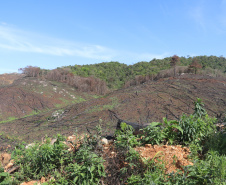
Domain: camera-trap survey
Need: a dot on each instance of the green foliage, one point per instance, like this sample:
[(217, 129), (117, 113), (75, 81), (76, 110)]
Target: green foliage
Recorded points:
[(88, 168), (153, 134), (199, 108), (171, 130), (195, 129), (40, 160), (8, 120), (125, 137), (211, 170), (4, 177), (116, 74), (84, 166), (149, 178), (216, 142)]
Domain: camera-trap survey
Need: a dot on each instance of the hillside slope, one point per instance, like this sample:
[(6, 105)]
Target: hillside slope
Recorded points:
[(145, 103), (26, 96)]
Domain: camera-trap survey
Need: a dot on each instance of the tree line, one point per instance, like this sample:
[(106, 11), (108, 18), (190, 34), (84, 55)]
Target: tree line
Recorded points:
[(100, 77), (83, 84), (116, 74)]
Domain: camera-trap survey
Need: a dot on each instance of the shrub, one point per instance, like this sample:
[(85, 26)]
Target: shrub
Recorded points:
[(153, 134), (125, 137), (196, 129), (3, 177), (40, 160), (171, 130), (211, 170), (84, 166), (88, 168)]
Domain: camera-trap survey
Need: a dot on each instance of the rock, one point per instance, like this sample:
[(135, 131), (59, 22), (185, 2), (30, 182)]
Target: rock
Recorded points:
[(69, 145), (148, 145), (8, 166), (71, 138), (104, 141), (43, 180), (53, 141), (29, 145)]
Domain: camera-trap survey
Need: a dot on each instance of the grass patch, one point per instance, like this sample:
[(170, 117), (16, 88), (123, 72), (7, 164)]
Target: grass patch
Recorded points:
[(9, 119), (113, 104)]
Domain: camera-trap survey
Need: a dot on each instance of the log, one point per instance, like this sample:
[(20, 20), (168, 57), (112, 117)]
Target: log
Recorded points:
[(136, 126)]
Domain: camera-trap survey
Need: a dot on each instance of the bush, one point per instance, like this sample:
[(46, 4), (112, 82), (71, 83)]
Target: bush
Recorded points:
[(196, 129), (125, 137), (153, 134), (88, 168), (41, 159), (84, 166), (212, 170)]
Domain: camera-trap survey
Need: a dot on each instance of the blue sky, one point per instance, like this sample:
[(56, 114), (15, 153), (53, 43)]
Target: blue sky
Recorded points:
[(55, 33)]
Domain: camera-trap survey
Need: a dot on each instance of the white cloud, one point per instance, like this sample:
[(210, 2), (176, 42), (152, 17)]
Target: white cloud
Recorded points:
[(13, 39), (17, 40)]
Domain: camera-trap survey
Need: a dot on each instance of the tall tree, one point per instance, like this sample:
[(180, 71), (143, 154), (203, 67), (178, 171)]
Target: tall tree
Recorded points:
[(31, 71)]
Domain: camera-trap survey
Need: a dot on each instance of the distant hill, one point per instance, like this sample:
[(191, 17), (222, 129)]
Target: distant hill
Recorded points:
[(116, 74)]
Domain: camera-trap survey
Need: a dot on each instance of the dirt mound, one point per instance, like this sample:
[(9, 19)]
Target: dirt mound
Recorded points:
[(174, 157)]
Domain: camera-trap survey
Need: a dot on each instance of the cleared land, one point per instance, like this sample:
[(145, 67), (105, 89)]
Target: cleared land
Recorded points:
[(169, 97)]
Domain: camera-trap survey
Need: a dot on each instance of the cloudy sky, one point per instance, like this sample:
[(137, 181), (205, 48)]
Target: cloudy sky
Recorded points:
[(55, 33)]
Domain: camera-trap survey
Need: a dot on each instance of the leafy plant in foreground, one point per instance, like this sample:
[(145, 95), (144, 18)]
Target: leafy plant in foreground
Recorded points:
[(4, 177), (153, 134), (125, 137), (88, 168), (40, 160), (171, 130), (196, 129)]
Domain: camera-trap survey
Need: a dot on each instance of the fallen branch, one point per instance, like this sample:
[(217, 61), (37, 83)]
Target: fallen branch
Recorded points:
[(13, 169), (136, 126)]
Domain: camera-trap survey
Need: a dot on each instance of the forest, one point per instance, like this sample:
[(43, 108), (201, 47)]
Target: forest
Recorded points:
[(115, 75)]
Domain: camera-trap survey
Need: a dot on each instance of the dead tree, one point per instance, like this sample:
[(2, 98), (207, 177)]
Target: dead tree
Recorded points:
[(174, 61)]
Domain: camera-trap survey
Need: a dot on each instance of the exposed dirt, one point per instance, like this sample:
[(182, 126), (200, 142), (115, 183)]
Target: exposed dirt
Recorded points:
[(145, 103), (174, 157)]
